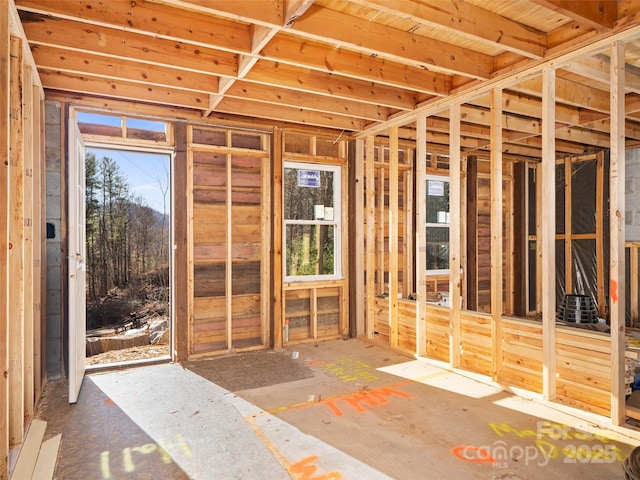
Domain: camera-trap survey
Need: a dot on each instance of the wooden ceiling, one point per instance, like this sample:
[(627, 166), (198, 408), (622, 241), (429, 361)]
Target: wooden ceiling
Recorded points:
[(345, 65)]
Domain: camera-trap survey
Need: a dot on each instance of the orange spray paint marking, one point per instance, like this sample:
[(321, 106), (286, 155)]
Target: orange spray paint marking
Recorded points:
[(613, 290), (473, 454), (305, 470)]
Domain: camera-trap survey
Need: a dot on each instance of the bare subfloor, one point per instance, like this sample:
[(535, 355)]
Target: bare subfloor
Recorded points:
[(329, 410)]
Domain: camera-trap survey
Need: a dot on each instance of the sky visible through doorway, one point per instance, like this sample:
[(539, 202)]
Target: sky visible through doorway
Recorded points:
[(146, 173)]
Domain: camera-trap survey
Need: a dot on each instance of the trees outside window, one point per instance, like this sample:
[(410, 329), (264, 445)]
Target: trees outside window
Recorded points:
[(437, 225), (312, 221)]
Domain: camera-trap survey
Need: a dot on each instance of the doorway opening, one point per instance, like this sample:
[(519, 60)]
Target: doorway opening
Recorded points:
[(128, 238)]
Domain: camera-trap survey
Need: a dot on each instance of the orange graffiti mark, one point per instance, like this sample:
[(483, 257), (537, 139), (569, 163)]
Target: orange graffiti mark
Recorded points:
[(305, 470), (473, 454), (613, 289), (361, 399)]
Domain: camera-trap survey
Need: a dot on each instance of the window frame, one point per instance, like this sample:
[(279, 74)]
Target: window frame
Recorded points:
[(336, 222), (427, 225)]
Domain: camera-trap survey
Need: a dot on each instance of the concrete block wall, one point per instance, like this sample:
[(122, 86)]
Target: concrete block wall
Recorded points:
[(632, 195), (55, 258)]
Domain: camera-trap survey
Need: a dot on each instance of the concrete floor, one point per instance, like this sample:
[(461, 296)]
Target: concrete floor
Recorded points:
[(318, 411)]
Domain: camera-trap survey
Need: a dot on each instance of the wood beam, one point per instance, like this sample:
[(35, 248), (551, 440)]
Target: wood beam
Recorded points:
[(370, 234), (546, 239), (147, 19), (357, 219), (16, 250), (84, 63), (284, 113), (324, 25), (496, 180), (117, 44), (455, 231), (472, 22), (276, 267), (294, 9), (390, 43), (420, 234), (295, 98), (124, 90), (286, 76), (616, 234), (394, 222), (598, 14), (28, 214), (5, 115), (303, 53), (183, 310)]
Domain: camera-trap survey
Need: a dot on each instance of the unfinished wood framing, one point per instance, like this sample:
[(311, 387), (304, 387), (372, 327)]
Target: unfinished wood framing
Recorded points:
[(29, 214), (616, 233), (455, 196), (370, 234), (546, 240), (497, 287), (357, 206), (16, 251), (394, 221), (421, 241), (499, 111), (5, 115)]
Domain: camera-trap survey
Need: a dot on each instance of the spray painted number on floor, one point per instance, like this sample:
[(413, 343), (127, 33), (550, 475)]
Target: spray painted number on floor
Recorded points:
[(347, 369), (129, 456), (361, 399), (306, 470)]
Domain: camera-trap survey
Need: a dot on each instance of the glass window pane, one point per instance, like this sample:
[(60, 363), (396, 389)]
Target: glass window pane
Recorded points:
[(310, 250), (437, 248), (305, 191), (437, 201)]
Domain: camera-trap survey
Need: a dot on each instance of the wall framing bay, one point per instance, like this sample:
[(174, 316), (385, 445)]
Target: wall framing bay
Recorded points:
[(230, 236)]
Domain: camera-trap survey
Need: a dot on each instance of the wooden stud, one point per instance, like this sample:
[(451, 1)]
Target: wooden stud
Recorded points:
[(420, 233), (28, 212), (183, 241), (16, 251), (265, 266), (496, 234), (343, 317), (393, 235), (617, 233), (5, 114), (357, 222), (277, 304), (229, 254), (370, 234), (381, 252), (538, 235), (455, 213), (546, 239), (39, 252)]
